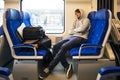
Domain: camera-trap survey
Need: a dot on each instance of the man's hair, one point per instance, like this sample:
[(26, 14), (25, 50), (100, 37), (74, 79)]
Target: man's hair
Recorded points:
[(77, 10)]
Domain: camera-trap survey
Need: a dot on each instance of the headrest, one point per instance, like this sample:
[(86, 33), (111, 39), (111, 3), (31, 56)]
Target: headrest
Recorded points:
[(13, 14), (26, 15), (91, 15), (102, 14)]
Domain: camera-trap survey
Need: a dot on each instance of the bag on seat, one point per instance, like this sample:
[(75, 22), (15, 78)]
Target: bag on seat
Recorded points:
[(33, 33), (36, 35), (45, 41)]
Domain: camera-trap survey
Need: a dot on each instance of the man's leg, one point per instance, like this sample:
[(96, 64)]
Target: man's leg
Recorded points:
[(56, 49), (58, 45), (73, 42)]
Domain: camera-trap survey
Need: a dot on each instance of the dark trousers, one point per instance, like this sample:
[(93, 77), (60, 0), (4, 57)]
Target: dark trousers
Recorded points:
[(60, 49)]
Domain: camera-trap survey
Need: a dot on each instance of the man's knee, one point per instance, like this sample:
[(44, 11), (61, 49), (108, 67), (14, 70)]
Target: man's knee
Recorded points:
[(64, 46)]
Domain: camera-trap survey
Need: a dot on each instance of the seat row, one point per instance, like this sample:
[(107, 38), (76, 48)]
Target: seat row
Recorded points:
[(93, 49)]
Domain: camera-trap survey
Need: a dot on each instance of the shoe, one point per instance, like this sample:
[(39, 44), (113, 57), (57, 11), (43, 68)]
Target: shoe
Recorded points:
[(43, 74), (69, 71)]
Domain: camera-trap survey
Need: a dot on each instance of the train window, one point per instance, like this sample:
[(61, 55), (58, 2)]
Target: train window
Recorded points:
[(1, 11), (47, 13)]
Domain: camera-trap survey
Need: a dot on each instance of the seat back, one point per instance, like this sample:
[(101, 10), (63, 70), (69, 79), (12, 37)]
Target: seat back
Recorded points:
[(99, 27), (13, 21), (91, 17)]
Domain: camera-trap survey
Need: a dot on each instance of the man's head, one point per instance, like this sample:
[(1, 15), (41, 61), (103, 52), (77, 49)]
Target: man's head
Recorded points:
[(78, 13)]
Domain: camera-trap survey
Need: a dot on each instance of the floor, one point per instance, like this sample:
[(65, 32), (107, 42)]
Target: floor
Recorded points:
[(59, 74)]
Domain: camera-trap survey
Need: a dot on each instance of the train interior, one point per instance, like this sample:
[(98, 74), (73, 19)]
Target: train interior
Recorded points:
[(97, 59)]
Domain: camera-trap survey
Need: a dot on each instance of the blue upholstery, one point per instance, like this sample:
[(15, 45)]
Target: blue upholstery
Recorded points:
[(14, 18), (107, 72), (4, 73), (26, 19), (118, 15), (1, 30), (99, 26)]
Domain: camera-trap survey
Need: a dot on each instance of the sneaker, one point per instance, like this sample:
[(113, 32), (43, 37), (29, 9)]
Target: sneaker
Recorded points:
[(43, 74), (69, 71)]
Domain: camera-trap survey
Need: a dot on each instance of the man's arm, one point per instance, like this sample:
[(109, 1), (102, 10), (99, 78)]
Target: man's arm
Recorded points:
[(84, 27), (71, 31)]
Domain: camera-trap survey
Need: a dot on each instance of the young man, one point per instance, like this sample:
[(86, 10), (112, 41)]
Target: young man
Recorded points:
[(79, 33)]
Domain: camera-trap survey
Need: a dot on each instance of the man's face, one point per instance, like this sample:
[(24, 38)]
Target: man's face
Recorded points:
[(78, 15)]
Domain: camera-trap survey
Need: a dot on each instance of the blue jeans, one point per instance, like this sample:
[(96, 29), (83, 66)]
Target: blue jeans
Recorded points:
[(60, 49)]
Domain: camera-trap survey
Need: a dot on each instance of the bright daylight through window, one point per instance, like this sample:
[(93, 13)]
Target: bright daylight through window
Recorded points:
[(47, 13), (1, 11)]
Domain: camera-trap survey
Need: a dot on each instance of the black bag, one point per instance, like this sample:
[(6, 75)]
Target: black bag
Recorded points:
[(33, 33), (36, 35), (45, 41)]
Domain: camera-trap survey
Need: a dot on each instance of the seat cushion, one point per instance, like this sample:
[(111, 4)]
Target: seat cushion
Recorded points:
[(85, 52)]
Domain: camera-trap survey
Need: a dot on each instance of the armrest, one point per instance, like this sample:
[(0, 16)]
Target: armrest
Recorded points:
[(90, 45), (23, 45), (4, 71), (26, 46), (108, 71)]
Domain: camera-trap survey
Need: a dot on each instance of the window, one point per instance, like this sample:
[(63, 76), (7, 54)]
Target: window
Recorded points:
[(47, 13), (1, 11)]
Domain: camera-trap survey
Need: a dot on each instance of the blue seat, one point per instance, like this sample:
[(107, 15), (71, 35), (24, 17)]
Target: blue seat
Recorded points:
[(118, 15), (12, 20), (107, 72), (97, 38), (26, 19)]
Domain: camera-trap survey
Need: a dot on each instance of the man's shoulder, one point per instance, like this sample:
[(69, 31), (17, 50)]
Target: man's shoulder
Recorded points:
[(85, 19)]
